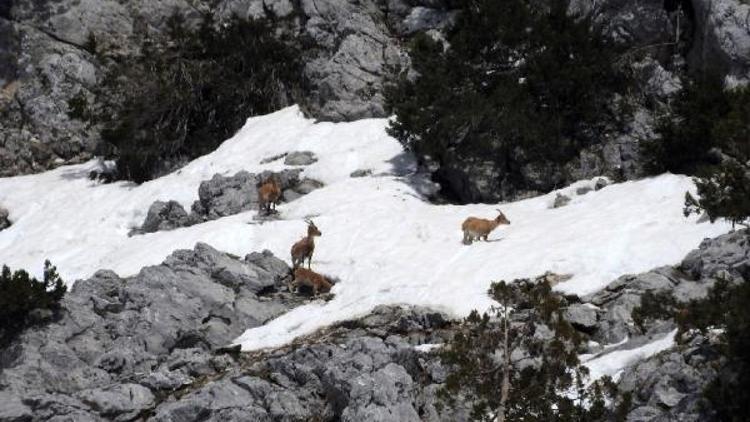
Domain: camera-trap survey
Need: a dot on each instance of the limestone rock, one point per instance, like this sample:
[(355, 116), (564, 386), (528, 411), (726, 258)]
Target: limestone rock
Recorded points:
[(165, 216)]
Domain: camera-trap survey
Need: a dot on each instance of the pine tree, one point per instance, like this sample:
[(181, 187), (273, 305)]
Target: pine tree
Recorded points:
[(20, 294), (514, 82), (724, 191), (508, 372)]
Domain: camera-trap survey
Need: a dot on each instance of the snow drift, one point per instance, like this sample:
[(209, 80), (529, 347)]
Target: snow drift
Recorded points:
[(384, 242)]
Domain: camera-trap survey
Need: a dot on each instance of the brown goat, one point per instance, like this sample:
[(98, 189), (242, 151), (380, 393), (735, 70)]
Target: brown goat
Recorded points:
[(311, 279), (480, 228), (269, 194), (305, 247)]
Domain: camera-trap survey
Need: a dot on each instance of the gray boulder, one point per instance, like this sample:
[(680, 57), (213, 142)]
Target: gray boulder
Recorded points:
[(122, 402), (727, 255), (671, 385), (300, 158), (644, 23), (361, 173), (582, 316), (121, 343), (560, 200), (165, 216), (616, 302), (4, 221), (222, 196), (583, 190)]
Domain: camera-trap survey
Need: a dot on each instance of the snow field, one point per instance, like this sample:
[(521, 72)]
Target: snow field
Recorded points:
[(380, 238)]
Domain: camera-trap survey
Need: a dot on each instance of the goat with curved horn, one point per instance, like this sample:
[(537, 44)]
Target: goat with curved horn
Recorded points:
[(304, 248), (479, 228)]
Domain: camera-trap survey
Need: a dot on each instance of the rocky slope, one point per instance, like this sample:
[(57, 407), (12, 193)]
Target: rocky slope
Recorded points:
[(152, 347), (222, 196), (351, 49), (120, 343), (48, 58)]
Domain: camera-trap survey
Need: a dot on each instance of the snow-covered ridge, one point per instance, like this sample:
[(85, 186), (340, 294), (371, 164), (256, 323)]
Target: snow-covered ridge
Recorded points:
[(380, 238)]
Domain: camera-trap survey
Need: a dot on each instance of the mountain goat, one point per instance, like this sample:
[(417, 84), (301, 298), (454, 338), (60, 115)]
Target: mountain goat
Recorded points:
[(269, 194), (479, 228), (305, 247)]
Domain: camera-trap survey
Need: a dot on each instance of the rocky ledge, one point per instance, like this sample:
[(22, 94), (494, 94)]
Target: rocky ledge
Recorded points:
[(121, 343), (222, 196), (152, 347)]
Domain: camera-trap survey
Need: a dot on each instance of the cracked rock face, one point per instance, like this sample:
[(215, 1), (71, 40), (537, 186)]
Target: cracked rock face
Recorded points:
[(351, 48), (120, 342), (44, 63), (222, 196), (723, 38), (361, 370), (149, 347)]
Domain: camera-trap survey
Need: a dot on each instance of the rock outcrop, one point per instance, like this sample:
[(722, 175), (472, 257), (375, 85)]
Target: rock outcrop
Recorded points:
[(369, 369), (222, 196), (151, 347), (671, 384), (55, 53), (4, 221), (722, 38), (48, 59), (120, 343)]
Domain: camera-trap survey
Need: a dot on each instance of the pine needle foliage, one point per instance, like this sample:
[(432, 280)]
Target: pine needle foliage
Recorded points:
[(724, 189), (518, 362), (194, 89), (726, 308), (515, 81), (20, 294)]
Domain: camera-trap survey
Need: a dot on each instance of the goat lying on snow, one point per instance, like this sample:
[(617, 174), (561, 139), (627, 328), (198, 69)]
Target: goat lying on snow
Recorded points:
[(311, 279), (479, 228)]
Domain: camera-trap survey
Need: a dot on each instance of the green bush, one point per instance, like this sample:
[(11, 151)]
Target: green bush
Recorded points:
[(654, 306), (723, 194), (20, 294), (483, 361), (686, 133), (188, 93), (724, 189), (513, 84), (726, 307)]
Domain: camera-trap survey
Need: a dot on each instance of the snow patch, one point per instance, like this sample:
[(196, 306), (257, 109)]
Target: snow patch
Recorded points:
[(380, 238), (613, 363)]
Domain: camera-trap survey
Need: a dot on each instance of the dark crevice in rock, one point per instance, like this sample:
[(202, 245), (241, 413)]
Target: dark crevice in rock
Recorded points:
[(55, 37)]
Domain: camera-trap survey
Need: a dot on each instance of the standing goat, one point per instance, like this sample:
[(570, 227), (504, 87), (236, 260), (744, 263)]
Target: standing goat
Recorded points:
[(305, 247), (269, 194), (479, 228), (311, 279)]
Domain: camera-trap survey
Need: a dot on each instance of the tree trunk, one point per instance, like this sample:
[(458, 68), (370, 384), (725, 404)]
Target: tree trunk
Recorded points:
[(505, 387)]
